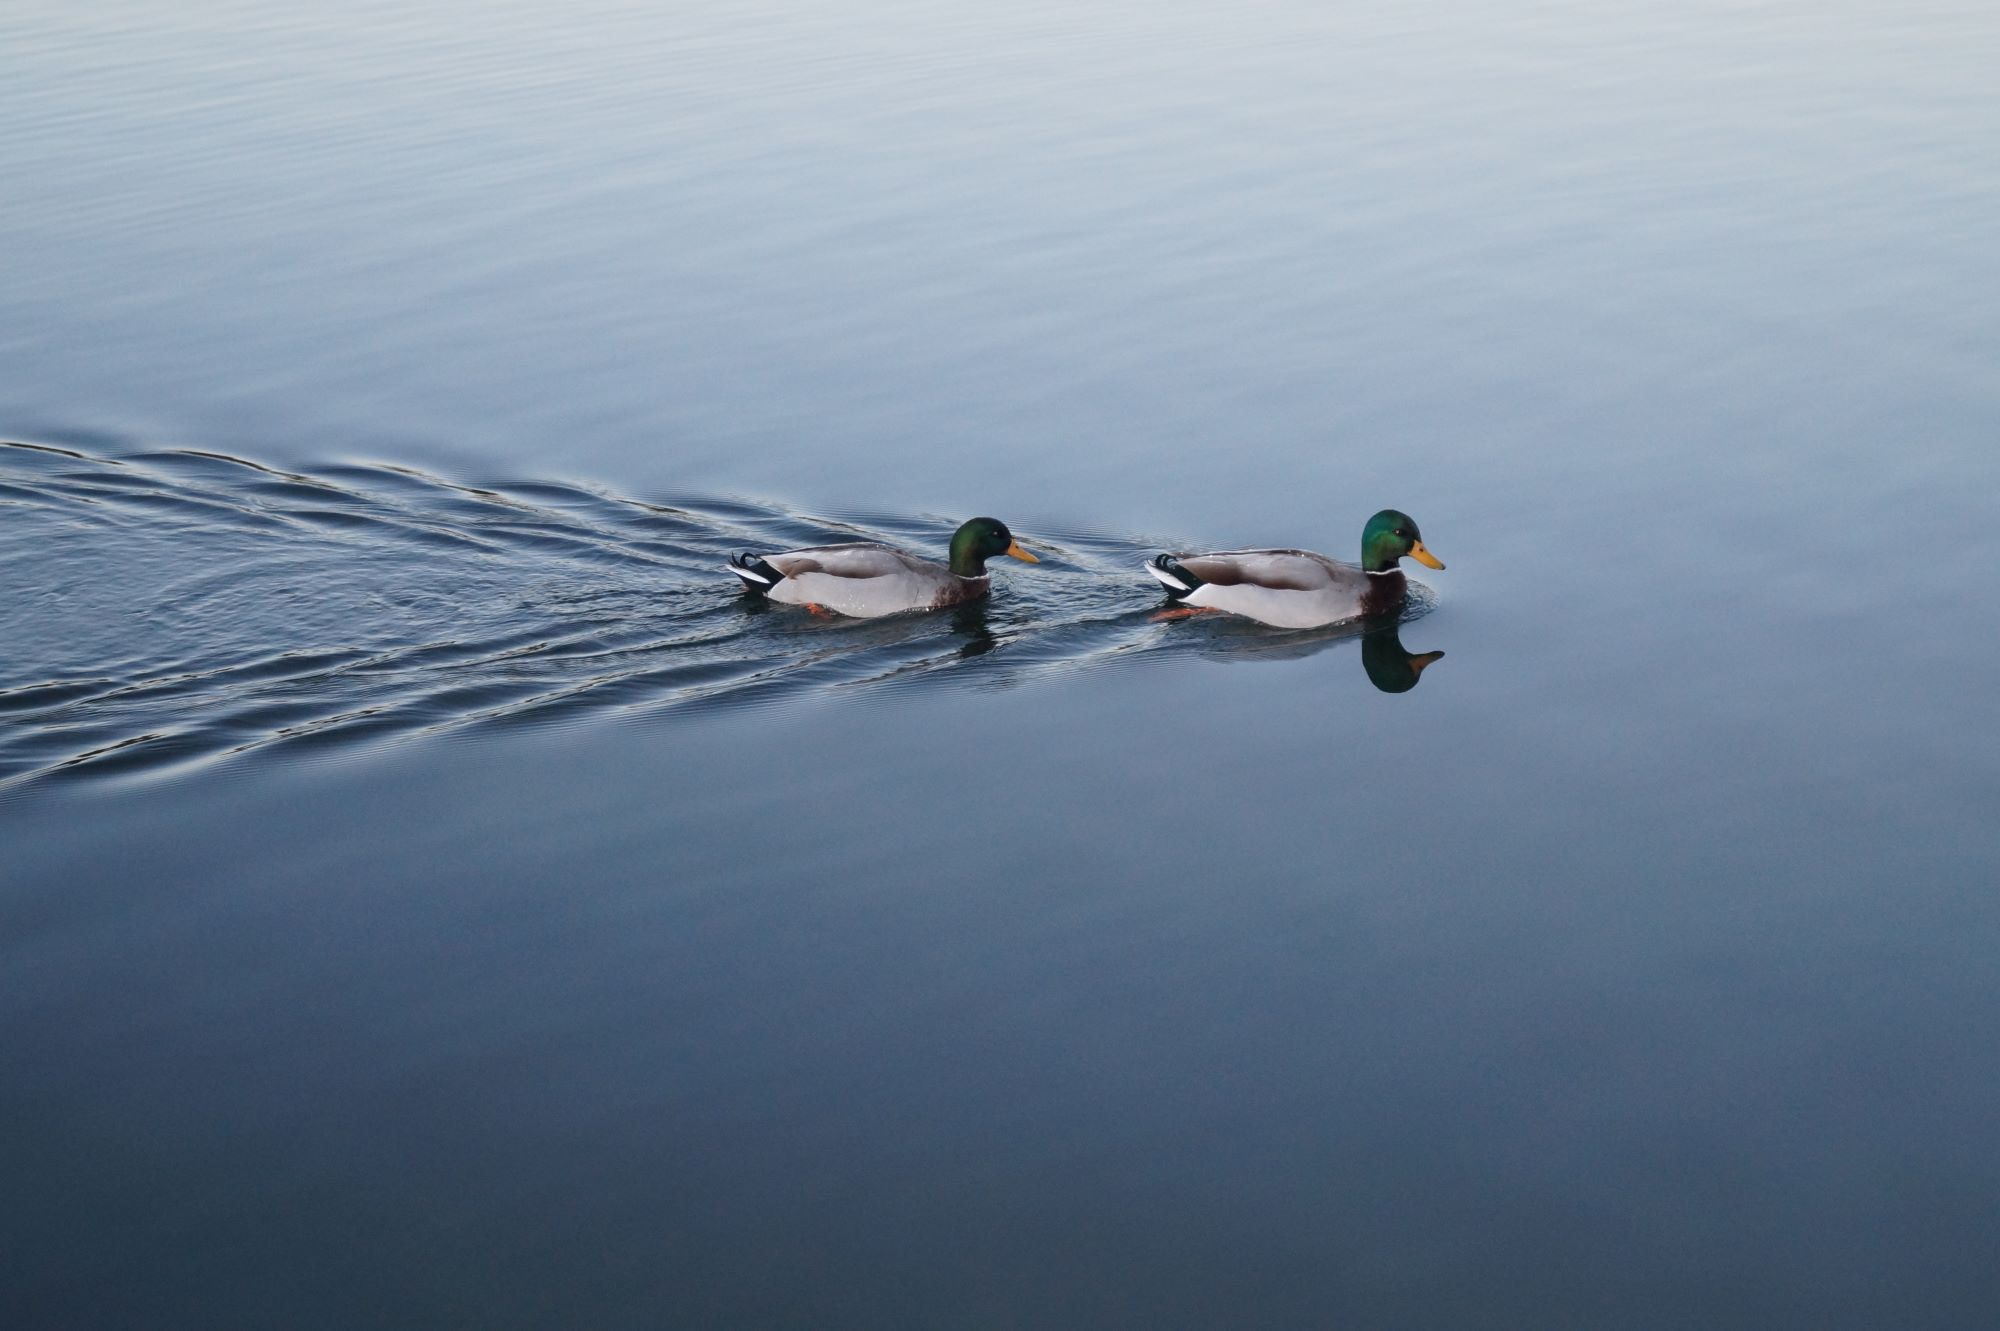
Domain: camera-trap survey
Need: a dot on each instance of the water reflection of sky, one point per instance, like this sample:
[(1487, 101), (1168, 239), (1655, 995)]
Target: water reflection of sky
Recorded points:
[(1024, 255)]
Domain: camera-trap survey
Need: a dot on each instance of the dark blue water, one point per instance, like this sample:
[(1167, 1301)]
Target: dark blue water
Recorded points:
[(432, 895)]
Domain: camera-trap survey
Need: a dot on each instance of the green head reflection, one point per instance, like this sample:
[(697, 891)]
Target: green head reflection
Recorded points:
[(1390, 667)]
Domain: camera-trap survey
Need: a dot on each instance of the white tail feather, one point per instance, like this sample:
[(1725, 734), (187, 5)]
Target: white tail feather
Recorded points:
[(747, 576), (1166, 577)]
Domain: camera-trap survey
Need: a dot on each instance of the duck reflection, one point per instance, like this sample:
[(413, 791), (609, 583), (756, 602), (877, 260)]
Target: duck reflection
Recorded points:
[(969, 623), (1390, 666), (847, 650)]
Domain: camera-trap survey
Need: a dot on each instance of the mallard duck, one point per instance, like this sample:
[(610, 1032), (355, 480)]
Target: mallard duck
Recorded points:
[(867, 578), (1297, 589)]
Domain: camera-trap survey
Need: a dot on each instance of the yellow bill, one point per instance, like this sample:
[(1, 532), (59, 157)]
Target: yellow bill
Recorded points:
[(1417, 552), (1015, 550)]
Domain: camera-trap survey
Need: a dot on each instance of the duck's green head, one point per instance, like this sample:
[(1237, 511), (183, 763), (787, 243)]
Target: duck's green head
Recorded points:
[(1389, 536), (980, 540)]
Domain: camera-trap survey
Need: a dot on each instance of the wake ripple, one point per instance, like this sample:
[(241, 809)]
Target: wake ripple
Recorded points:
[(174, 607)]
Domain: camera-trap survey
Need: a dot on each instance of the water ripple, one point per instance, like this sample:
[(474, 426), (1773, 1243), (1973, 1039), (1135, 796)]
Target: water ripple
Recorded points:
[(166, 608)]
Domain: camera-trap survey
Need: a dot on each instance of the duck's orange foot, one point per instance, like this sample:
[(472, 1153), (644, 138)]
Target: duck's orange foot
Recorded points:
[(815, 608), (1180, 612)]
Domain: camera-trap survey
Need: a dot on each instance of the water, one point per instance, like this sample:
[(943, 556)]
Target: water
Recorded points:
[(434, 896), (205, 606)]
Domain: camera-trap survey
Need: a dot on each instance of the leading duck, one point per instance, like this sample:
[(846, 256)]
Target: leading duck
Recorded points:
[(1297, 589)]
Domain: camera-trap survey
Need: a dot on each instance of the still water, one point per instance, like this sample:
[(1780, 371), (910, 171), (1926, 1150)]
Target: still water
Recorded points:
[(433, 896)]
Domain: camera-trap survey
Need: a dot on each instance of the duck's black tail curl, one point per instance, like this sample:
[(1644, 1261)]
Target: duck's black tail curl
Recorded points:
[(756, 572), (1173, 575)]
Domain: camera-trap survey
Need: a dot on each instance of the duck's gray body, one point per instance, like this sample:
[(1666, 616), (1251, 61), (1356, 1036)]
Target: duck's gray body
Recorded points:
[(861, 578), (1291, 589)]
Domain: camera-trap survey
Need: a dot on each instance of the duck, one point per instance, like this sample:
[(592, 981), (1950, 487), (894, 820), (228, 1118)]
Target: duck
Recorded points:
[(867, 579), (1297, 589)]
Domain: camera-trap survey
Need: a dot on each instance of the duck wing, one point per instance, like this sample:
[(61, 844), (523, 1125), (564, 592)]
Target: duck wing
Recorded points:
[(1274, 570), (855, 559)]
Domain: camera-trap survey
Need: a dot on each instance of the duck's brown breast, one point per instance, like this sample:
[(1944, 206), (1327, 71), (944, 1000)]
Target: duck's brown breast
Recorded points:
[(1386, 594), (960, 590)]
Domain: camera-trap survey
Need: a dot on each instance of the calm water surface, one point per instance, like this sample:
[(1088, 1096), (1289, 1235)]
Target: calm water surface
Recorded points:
[(434, 897)]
